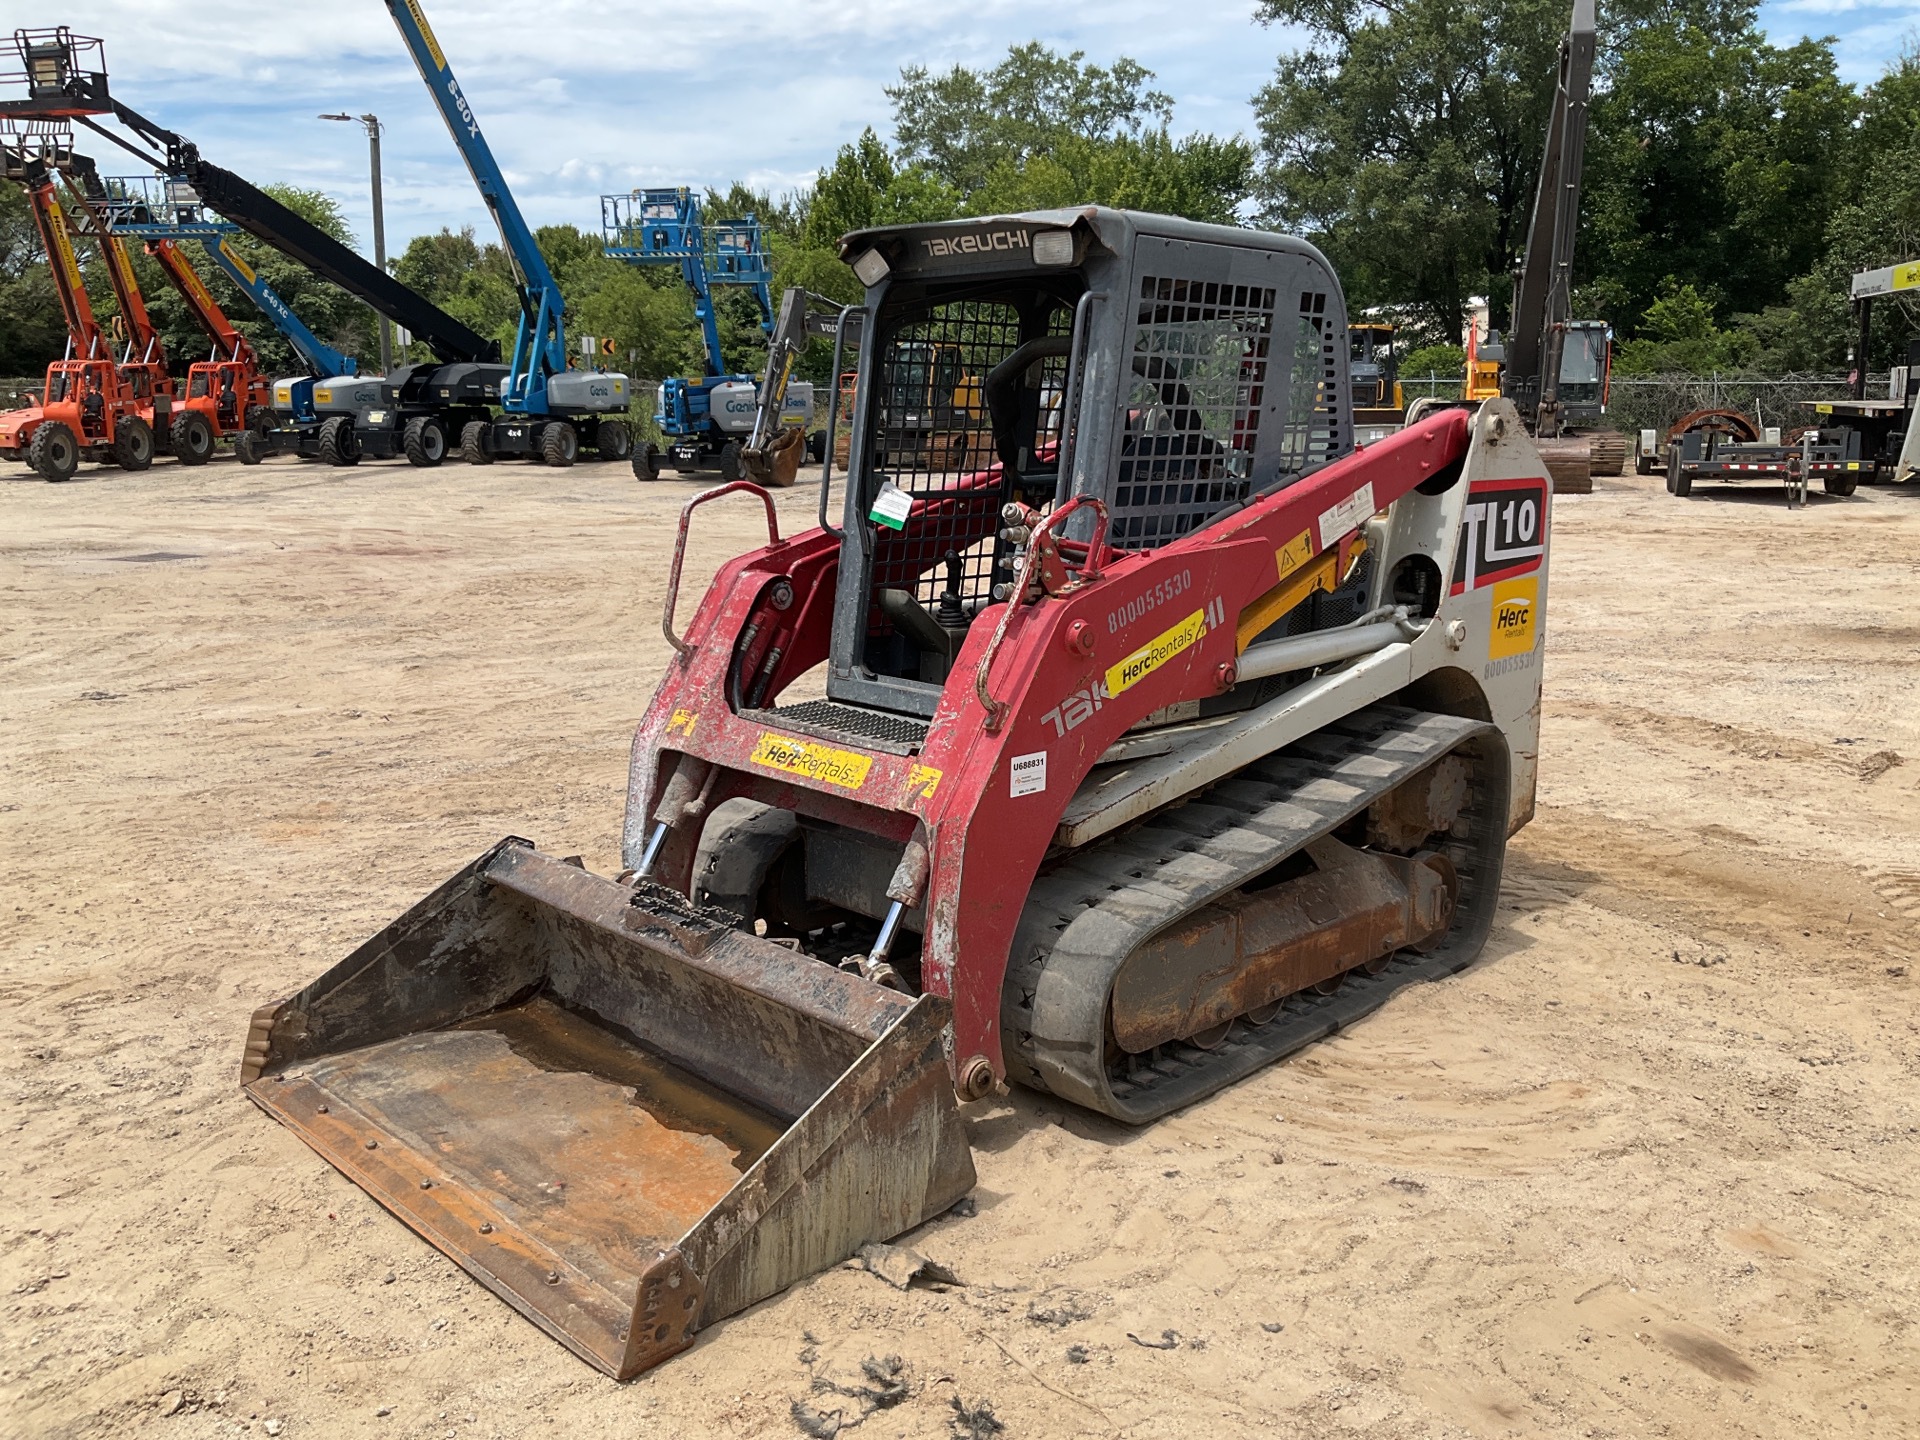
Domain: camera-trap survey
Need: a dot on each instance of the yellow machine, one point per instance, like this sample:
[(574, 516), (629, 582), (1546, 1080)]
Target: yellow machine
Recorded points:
[(1373, 369)]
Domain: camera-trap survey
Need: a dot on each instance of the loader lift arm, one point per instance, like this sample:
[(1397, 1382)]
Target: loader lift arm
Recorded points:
[(53, 66)]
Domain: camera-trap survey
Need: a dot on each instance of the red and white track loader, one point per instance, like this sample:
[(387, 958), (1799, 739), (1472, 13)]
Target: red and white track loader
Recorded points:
[(1117, 742)]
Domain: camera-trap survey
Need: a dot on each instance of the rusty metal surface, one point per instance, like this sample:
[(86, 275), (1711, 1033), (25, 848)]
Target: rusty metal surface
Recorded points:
[(1425, 805), (1256, 946), (881, 1152), (620, 1113), (540, 1151)]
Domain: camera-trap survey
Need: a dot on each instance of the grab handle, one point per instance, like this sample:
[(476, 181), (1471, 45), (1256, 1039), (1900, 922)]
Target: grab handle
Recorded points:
[(1089, 570), (680, 549)]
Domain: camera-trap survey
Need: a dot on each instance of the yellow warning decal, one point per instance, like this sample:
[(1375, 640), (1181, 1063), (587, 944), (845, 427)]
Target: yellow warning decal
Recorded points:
[(426, 34), (233, 258), (191, 282), (69, 265), (922, 781), (1157, 652), (682, 722), (1295, 553), (811, 760), (1907, 277), (1516, 617)]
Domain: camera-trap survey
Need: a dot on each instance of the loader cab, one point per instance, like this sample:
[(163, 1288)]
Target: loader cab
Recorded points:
[(1373, 368), (1171, 369)]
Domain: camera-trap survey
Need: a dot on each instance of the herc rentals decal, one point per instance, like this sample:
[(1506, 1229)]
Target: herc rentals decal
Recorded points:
[(811, 760), (1516, 617), (1164, 647), (232, 257), (426, 34), (1502, 534)]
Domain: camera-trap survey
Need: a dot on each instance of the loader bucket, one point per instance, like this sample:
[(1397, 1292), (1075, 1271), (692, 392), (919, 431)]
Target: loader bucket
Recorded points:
[(613, 1108)]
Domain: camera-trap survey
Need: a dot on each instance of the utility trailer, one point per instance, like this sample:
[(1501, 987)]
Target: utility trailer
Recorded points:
[(1831, 457)]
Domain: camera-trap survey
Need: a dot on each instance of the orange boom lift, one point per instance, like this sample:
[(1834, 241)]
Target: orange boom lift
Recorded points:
[(88, 410)]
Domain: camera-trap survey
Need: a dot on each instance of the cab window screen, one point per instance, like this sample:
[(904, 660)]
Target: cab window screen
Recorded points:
[(1199, 375), (932, 436)]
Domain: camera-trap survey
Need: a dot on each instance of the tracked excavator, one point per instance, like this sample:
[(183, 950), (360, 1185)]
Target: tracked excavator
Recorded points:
[(1554, 368), (1153, 734)]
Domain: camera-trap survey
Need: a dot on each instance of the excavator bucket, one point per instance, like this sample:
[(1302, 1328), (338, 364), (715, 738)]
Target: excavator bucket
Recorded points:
[(614, 1108), (779, 464)]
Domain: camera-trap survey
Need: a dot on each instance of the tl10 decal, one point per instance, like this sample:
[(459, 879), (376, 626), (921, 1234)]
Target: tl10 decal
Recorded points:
[(1503, 533)]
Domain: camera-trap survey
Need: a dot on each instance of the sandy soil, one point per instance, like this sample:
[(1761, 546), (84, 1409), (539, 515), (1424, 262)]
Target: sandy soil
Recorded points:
[(1647, 1169)]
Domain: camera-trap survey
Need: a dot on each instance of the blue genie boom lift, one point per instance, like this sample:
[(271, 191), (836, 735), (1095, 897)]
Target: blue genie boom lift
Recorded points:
[(709, 420), (146, 207), (550, 410)]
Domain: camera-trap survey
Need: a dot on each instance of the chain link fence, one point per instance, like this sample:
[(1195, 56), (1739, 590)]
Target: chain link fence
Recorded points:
[(1654, 402)]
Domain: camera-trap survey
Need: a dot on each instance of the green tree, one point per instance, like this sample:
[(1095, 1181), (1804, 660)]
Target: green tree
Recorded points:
[(1679, 332), (32, 329), (1715, 157), (1880, 225), (964, 124), (1041, 130), (434, 266), (1404, 139)]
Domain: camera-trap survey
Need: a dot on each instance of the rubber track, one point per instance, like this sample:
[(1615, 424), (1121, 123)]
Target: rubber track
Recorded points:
[(1085, 916)]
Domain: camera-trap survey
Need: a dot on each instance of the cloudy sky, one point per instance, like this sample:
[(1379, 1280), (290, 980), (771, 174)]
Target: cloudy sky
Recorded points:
[(580, 97)]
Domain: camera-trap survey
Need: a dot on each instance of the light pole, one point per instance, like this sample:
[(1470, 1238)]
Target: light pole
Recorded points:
[(372, 124)]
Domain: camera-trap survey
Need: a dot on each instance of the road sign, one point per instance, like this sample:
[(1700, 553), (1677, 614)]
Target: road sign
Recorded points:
[(1887, 281)]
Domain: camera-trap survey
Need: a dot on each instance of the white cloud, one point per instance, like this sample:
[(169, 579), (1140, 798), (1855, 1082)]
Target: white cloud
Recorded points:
[(579, 96), (589, 96)]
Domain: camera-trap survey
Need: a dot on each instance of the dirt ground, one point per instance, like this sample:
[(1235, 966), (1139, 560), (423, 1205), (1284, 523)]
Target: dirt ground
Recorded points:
[(1647, 1169)]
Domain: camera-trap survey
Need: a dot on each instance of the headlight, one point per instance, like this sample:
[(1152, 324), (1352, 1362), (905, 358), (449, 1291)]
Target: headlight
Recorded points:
[(872, 268), (1053, 247)]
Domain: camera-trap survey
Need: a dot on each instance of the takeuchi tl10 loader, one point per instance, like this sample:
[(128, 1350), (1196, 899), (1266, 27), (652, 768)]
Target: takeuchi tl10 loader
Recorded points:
[(1163, 733)]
